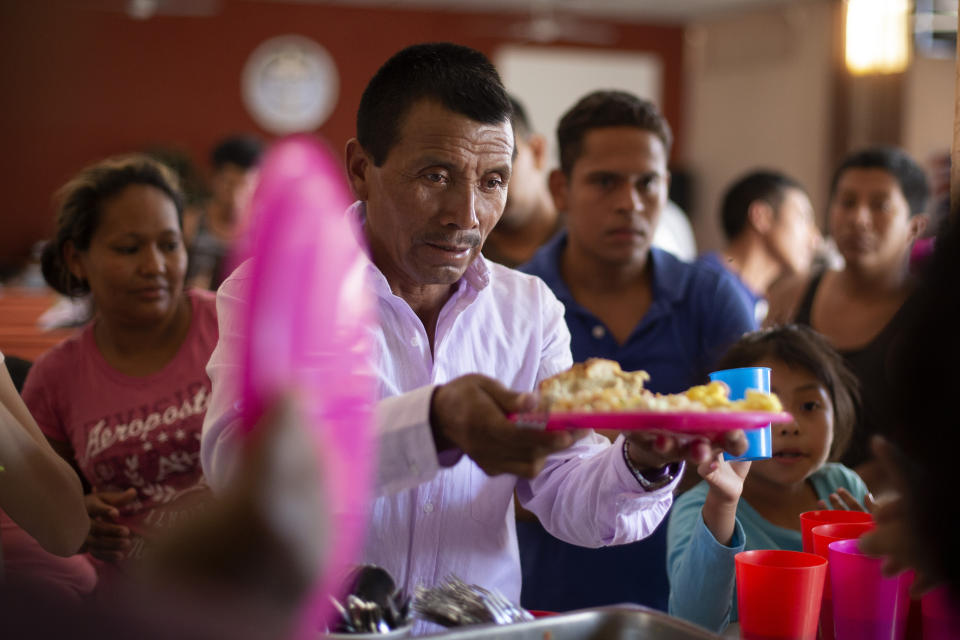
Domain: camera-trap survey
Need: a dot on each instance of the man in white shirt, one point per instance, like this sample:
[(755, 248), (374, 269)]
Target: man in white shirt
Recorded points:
[(461, 343)]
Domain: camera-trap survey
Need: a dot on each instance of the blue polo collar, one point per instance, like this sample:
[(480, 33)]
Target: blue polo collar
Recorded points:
[(669, 276)]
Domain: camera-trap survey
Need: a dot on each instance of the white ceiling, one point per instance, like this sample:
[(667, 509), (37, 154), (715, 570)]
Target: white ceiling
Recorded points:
[(631, 10)]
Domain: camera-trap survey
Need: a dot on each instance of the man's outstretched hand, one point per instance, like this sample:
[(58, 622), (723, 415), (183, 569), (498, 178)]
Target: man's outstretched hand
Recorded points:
[(650, 450), (470, 414)]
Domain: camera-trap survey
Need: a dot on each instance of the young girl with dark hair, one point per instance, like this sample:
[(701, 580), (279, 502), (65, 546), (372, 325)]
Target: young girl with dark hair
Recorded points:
[(731, 511)]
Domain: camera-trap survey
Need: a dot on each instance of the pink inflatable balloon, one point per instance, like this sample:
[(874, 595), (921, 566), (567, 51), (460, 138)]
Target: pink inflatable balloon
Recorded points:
[(308, 328)]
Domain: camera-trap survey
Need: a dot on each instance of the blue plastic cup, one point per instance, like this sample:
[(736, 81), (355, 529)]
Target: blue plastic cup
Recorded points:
[(759, 441)]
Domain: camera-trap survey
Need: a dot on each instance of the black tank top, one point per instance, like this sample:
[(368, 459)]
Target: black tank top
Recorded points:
[(871, 365)]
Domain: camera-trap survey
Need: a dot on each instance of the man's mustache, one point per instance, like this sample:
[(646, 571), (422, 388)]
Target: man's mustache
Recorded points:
[(465, 239)]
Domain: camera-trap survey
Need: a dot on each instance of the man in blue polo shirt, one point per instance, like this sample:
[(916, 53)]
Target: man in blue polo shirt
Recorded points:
[(628, 302), (771, 232)]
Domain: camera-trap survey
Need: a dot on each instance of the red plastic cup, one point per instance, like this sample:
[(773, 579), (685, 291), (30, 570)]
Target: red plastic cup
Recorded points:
[(866, 606), (536, 613), (811, 519), (778, 594), (822, 536), (941, 615)]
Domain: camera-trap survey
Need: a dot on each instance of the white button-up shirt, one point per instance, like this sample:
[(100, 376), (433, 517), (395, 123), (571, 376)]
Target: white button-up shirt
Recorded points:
[(431, 520)]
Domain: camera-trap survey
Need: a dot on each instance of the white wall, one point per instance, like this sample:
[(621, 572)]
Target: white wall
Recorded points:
[(757, 95), (550, 80), (928, 107)]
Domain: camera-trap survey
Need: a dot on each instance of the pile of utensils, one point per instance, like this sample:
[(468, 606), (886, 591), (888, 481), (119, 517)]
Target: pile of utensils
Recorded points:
[(455, 603), (372, 603)]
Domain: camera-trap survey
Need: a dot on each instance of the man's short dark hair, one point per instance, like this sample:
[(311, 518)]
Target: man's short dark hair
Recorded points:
[(896, 162), (243, 151), (768, 186), (602, 109), (519, 119), (462, 79)]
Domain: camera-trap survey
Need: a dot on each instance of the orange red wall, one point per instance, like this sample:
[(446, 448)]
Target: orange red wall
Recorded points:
[(80, 80)]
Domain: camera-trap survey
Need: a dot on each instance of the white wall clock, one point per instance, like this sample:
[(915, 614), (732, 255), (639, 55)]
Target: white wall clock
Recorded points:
[(290, 84)]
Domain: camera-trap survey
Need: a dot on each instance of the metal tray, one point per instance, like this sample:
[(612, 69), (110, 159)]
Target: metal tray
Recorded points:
[(622, 622)]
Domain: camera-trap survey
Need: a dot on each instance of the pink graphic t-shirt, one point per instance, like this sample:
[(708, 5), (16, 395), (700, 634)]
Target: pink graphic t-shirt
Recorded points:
[(140, 432)]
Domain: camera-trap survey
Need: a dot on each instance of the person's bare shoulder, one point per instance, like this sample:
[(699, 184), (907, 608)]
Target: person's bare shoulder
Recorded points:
[(784, 298)]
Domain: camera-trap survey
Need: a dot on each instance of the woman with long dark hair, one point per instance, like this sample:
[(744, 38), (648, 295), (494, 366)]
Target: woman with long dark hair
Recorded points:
[(124, 400), (877, 201)]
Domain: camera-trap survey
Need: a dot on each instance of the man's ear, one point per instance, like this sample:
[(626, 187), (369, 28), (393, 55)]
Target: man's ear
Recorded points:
[(760, 216), (358, 162), (918, 224), (558, 189), (538, 146)]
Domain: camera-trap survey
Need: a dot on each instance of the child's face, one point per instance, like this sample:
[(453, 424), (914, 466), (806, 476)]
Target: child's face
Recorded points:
[(802, 446)]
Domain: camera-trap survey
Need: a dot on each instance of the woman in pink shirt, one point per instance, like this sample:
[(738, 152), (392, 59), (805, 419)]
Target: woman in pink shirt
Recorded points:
[(124, 400)]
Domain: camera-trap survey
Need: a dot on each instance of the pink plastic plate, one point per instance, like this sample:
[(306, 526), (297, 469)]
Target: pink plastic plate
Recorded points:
[(691, 422), (307, 330)]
